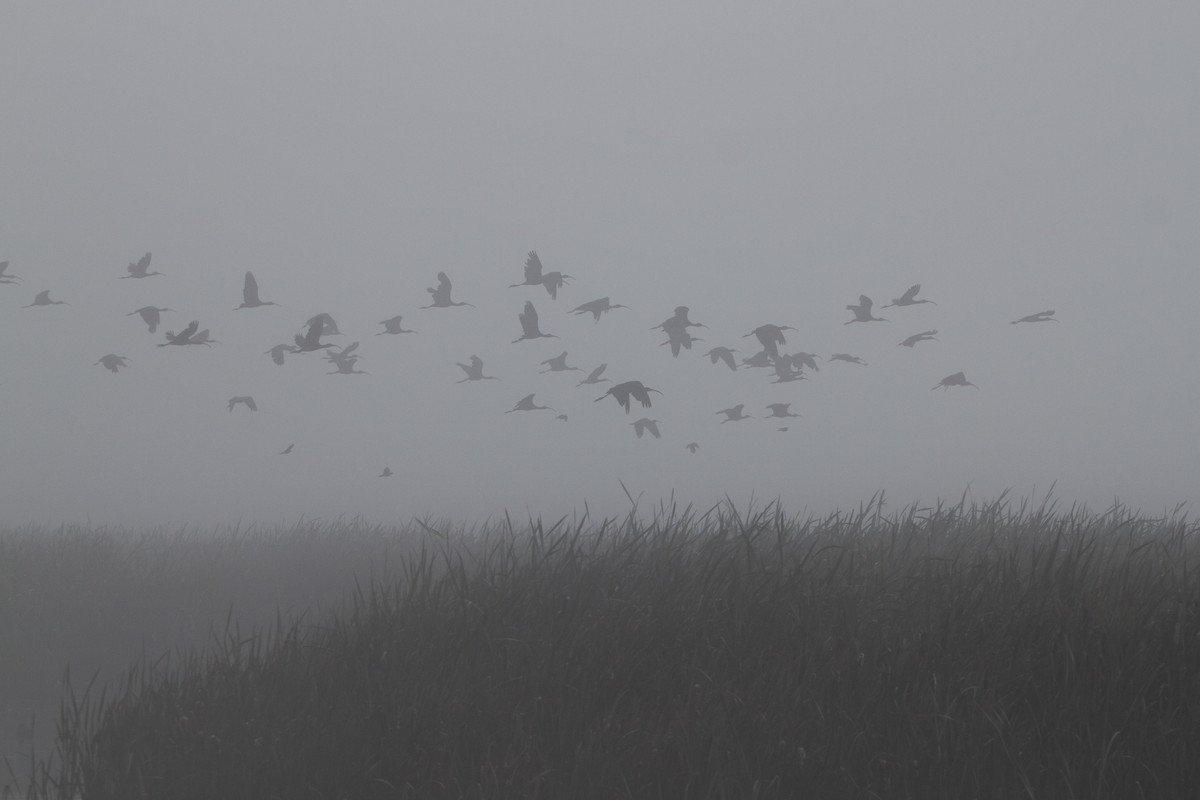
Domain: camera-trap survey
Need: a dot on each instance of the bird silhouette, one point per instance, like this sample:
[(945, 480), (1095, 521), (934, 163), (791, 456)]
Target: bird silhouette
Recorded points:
[(6, 276), (441, 294), (286, 450), (862, 311), (563, 417), (529, 324), (847, 357), (113, 362), (957, 379), (723, 354), (734, 414), (551, 281), (150, 316), (43, 299), (526, 404), (474, 371), (770, 336), (923, 336), (623, 391), (596, 307), (559, 364), (907, 299), (245, 400), (781, 410), (392, 325), (250, 294), (184, 337), (594, 375), (692, 446), (387, 472), (678, 339), (643, 425), (346, 367), (310, 342), (1041, 316), (138, 269), (533, 271), (203, 337)]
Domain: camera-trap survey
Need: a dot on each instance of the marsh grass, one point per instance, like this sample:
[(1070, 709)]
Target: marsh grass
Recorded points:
[(982, 651)]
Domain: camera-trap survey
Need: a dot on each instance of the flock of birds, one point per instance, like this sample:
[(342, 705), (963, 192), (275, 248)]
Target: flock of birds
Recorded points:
[(787, 367)]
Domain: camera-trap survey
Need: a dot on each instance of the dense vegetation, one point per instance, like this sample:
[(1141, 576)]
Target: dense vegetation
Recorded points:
[(992, 651)]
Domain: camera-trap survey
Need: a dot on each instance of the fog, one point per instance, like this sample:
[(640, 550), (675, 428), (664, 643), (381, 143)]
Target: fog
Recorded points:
[(758, 166)]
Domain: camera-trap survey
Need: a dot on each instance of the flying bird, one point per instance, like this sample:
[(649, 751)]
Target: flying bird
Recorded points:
[(245, 400), (345, 366), (113, 362), (286, 450), (387, 472), (203, 337), (138, 269), (770, 336), (692, 446), (563, 417), (1041, 316), (6, 276), (786, 370), (847, 357), (596, 307), (643, 425), (526, 404), (150, 316), (594, 375), (781, 410), (278, 350), (475, 371), (184, 337), (957, 379), (43, 299), (862, 311), (760, 359), (559, 364), (623, 391), (529, 324), (392, 325), (733, 414), (310, 342), (723, 354), (923, 336), (907, 299), (250, 294), (551, 281), (441, 294)]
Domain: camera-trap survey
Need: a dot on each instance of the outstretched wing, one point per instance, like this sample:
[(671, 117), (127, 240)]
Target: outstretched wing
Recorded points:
[(529, 319), (312, 338), (598, 371), (911, 293), (249, 401), (533, 268), (187, 332), (250, 290), (865, 303)]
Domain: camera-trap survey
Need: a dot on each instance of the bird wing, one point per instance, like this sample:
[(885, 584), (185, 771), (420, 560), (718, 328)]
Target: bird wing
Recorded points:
[(249, 401), (865, 303), (187, 332), (42, 297), (911, 293), (313, 337), (250, 290), (529, 319), (533, 268), (598, 371)]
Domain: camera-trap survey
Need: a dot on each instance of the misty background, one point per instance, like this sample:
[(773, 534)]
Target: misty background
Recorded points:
[(762, 165)]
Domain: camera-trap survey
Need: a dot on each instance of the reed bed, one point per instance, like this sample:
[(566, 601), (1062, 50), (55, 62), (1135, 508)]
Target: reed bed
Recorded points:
[(970, 651)]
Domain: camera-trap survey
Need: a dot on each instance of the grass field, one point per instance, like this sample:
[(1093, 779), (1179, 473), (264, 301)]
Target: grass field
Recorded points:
[(965, 651)]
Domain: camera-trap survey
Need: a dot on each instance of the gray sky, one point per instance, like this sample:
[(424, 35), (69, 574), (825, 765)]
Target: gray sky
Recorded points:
[(760, 166)]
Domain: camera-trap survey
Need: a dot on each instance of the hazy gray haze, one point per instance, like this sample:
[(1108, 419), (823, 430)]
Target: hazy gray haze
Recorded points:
[(759, 166)]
